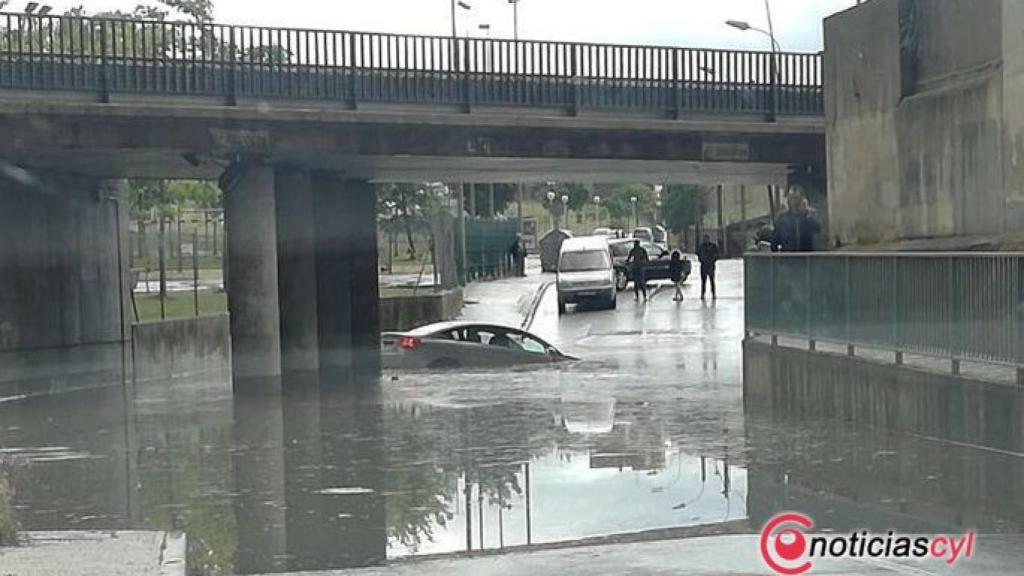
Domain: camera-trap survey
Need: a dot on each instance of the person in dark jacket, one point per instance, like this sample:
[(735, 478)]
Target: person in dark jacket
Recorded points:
[(675, 273), (637, 262), (795, 228), (707, 254)]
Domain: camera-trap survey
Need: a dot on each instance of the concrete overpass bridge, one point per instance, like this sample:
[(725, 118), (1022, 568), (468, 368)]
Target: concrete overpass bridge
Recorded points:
[(297, 124)]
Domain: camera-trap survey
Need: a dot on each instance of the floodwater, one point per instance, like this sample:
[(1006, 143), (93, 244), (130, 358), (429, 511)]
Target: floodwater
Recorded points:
[(647, 434)]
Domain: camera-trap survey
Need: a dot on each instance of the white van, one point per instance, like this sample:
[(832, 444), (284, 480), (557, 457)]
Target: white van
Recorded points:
[(585, 273)]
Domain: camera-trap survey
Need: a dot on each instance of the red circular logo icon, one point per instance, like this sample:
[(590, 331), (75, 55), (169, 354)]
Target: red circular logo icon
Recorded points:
[(782, 547)]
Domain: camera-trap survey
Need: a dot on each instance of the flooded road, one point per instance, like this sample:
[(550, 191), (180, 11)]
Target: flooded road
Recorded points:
[(648, 433)]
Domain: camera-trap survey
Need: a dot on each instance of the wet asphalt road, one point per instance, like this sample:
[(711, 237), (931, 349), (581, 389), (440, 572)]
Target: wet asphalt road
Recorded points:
[(647, 435)]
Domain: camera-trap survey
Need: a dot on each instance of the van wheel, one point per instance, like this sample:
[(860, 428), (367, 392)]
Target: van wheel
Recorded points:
[(561, 307), (612, 303)]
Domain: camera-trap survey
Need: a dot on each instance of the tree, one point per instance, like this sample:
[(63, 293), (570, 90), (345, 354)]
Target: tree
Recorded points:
[(616, 199), (410, 204), (681, 207)]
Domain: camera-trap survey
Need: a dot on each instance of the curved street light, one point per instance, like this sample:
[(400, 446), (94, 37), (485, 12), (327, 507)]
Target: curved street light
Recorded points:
[(551, 207), (743, 25), (636, 216), (565, 210)]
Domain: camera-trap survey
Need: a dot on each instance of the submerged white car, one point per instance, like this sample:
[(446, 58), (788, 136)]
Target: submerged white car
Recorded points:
[(449, 345)]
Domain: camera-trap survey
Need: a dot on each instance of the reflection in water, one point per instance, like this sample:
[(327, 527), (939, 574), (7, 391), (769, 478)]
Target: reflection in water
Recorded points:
[(335, 478)]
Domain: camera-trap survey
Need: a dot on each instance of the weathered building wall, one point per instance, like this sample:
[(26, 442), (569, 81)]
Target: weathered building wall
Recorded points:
[(1013, 112), (862, 90), (917, 118)]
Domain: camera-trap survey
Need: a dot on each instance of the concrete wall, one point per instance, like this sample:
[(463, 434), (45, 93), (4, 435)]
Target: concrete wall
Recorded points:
[(788, 382), (862, 90), (864, 488), (918, 118), (405, 312), (61, 312), (1013, 110), (183, 348)]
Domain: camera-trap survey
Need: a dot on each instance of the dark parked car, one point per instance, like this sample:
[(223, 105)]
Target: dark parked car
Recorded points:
[(657, 266)]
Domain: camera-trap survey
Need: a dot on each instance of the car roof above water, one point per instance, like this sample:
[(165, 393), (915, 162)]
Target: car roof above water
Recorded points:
[(584, 244)]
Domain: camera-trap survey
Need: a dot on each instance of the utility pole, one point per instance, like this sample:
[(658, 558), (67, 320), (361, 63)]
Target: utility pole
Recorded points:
[(723, 238), (743, 217)]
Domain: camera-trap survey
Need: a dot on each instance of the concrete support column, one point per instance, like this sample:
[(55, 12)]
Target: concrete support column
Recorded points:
[(334, 271), (364, 286), (296, 271), (61, 318), (347, 286), (249, 213)]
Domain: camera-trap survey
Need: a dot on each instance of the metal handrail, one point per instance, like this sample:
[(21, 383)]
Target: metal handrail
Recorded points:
[(63, 52), (958, 306)]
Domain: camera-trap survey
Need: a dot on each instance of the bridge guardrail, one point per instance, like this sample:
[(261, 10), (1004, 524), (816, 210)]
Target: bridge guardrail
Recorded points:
[(150, 56), (956, 306)]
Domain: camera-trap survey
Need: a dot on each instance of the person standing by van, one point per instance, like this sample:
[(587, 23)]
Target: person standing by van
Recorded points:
[(637, 262), (675, 273), (707, 253)]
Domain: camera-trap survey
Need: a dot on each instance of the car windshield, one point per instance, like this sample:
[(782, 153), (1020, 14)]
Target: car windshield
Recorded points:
[(621, 249), (585, 261)]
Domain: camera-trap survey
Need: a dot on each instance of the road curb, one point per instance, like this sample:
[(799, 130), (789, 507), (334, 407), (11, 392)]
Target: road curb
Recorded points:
[(538, 296)]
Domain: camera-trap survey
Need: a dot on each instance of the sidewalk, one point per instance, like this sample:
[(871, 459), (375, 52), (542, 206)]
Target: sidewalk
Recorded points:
[(703, 556), (89, 553), (508, 301)]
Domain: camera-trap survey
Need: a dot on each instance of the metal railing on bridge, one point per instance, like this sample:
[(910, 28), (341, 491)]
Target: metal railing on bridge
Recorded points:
[(109, 56), (955, 306)]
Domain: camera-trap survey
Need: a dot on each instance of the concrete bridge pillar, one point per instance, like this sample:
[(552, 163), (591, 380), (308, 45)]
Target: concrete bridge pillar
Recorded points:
[(334, 272), (251, 227), (364, 286), (347, 286), (62, 313), (296, 271)]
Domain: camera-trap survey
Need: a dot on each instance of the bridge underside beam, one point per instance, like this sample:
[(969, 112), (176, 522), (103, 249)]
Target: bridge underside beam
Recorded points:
[(169, 164)]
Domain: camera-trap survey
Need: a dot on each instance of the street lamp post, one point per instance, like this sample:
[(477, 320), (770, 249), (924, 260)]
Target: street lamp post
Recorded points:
[(515, 19), (455, 60), (565, 210), (636, 216), (597, 211), (770, 33), (551, 207)]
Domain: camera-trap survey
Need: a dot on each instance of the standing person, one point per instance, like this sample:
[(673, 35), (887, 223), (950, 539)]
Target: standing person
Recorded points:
[(675, 273), (707, 253), (796, 227), (516, 253), (637, 262)]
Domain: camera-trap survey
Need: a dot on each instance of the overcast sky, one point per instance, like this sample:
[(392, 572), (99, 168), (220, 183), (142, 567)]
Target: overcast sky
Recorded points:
[(697, 23)]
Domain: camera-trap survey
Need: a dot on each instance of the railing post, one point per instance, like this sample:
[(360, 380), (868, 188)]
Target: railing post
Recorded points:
[(232, 69), (463, 64), (809, 327), (104, 80), (951, 327), (677, 86), (896, 310), (351, 67), (771, 297), (574, 81), (850, 349)]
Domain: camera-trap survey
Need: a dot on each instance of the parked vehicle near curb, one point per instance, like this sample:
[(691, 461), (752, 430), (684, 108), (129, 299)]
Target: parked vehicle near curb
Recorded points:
[(586, 274), (657, 265)]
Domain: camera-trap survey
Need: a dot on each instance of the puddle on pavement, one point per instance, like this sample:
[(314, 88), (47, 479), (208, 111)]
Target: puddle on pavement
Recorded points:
[(438, 463)]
